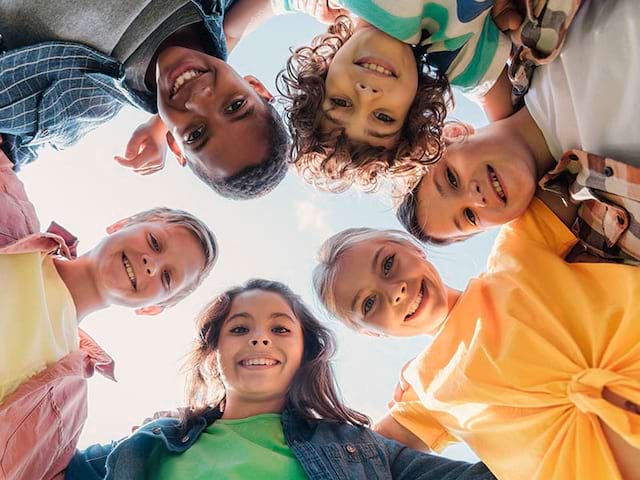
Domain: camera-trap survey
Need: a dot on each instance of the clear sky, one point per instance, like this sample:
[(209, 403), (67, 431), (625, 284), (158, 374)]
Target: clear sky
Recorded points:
[(274, 237)]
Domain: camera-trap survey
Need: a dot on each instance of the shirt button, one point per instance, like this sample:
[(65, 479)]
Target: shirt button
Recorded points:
[(157, 430), (45, 132), (350, 448), (607, 171), (185, 439)]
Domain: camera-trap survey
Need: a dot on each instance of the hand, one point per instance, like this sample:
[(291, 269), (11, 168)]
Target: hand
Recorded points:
[(506, 15), (157, 415), (401, 387), (147, 147), (325, 11)]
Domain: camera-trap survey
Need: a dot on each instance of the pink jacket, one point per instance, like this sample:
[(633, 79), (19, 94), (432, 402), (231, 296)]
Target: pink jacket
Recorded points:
[(17, 215), (41, 421)]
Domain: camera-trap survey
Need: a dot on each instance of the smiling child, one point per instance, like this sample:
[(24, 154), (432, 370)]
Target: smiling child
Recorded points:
[(528, 359), (149, 261)]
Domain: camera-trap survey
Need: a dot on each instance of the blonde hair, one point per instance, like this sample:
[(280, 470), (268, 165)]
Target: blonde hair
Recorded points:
[(205, 237), (332, 250)]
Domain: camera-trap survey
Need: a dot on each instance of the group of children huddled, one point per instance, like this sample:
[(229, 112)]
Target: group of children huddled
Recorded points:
[(535, 364)]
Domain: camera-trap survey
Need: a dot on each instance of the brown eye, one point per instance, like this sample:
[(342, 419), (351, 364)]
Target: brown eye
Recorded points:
[(235, 105), (451, 178), (470, 216), (166, 276), (383, 117), (194, 135), (340, 102)]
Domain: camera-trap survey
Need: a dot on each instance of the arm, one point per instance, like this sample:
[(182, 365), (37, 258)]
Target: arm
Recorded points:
[(391, 428), (243, 18), (497, 102), (147, 147)]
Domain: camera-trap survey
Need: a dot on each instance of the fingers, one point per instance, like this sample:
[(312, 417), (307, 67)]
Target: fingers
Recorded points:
[(149, 160)]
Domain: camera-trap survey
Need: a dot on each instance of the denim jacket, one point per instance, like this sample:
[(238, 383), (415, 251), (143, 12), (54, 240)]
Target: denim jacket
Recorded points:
[(55, 92), (326, 450)]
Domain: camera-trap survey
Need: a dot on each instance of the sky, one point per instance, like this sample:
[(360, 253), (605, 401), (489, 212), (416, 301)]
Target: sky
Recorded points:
[(273, 237)]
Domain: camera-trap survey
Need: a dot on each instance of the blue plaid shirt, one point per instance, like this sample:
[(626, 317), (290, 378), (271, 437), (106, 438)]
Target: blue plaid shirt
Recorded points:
[(55, 92)]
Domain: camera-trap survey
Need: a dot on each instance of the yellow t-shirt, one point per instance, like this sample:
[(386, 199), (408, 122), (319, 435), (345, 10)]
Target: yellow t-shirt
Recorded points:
[(518, 367), (38, 321)]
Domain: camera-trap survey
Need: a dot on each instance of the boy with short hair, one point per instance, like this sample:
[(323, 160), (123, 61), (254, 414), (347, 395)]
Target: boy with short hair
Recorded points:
[(163, 57), (579, 138), (150, 261)]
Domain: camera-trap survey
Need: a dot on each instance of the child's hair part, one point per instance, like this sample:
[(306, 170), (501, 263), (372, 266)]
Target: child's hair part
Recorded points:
[(331, 160), (256, 180), (313, 392), (333, 249), (205, 237)]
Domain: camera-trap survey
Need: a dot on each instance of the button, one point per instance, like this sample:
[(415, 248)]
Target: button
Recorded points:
[(350, 448), (185, 439), (45, 132), (157, 430), (620, 219), (607, 171)]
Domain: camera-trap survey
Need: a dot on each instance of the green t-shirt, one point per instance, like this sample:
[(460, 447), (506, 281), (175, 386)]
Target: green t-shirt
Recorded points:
[(242, 449)]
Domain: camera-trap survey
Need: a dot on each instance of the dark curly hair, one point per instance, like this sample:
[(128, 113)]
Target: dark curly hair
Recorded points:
[(331, 160), (256, 180)]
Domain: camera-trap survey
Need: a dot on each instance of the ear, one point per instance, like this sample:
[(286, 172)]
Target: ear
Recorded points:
[(259, 87), (456, 131), (150, 310), (175, 149), (117, 226)]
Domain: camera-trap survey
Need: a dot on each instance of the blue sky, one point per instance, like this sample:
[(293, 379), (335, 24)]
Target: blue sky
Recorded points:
[(274, 237)]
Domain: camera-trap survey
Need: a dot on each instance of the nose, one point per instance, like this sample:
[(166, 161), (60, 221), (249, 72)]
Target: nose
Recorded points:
[(260, 341), (150, 265), (367, 90), (199, 99), (397, 292), (475, 194)]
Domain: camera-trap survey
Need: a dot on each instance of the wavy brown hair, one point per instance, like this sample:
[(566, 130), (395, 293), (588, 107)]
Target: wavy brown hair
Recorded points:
[(313, 392), (331, 160)]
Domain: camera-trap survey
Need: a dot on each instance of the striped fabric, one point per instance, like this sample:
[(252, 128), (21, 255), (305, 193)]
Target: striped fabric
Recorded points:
[(609, 195), (54, 93)]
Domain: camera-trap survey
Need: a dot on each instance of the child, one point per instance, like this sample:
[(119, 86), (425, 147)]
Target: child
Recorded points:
[(488, 177), (361, 106), (535, 365), (167, 58), (149, 261), (262, 403)]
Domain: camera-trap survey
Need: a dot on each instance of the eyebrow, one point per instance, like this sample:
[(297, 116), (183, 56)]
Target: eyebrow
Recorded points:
[(443, 194), (374, 264), (371, 133), (248, 112), (281, 315)]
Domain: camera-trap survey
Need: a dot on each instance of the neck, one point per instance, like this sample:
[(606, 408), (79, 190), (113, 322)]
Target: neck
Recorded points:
[(190, 36), (453, 296), (522, 124), (77, 276), (236, 408)]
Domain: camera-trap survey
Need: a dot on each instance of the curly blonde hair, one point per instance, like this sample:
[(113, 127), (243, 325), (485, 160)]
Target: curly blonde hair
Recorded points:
[(330, 160)]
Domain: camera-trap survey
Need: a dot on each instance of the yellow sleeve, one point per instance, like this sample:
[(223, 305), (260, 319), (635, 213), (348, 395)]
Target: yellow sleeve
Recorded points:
[(537, 227), (411, 413)]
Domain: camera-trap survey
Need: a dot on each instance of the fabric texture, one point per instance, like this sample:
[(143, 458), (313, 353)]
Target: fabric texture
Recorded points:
[(520, 363), (252, 447), (38, 324), (54, 93), (41, 421), (326, 450)]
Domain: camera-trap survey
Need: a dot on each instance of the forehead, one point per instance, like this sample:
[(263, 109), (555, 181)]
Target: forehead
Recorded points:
[(435, 210), (237, 144), (260, 304)]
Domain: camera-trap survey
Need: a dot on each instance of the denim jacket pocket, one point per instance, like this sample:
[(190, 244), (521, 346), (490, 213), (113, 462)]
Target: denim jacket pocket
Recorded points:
[(356, 461)]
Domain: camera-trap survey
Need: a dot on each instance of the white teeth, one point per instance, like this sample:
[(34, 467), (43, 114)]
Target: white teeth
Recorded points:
[(496, 184), (184, 78), (129, 269), (377, 68), (259, 361), (416, 303)]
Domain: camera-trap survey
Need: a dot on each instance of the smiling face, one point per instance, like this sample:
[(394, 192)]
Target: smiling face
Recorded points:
[(388, 287), (216, 119), (370, 86), (146, 263), (260, 348), (480, 182)]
